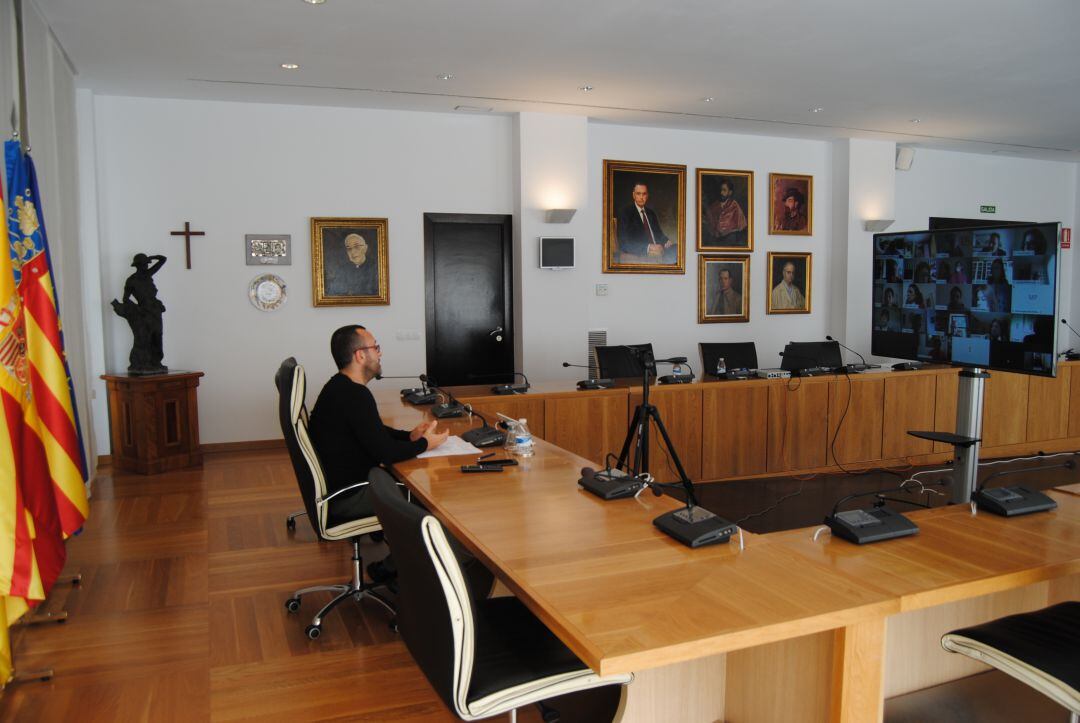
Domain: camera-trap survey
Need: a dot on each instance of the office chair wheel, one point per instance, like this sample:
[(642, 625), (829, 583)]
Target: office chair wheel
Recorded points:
[(377, 536), (290, 524), (292, 604), (313, 631)]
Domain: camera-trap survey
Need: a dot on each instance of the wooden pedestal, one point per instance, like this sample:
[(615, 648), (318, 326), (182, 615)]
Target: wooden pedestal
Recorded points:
[(154, 421)]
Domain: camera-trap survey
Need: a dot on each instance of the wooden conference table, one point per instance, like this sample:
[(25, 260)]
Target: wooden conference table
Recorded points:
[(786, 629)]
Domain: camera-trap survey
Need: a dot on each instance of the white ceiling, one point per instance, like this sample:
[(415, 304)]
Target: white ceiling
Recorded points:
[(981, 75)]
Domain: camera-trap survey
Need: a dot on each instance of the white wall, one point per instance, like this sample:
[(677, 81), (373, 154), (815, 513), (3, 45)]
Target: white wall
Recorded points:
[(234, 169)]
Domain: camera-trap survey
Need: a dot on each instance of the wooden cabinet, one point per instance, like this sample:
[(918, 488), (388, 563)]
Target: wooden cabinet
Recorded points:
[(855, 420), (1005, 409), (908, 405), (154, 421), (798, 425), (1048, 406), (589, 424), (734, 431)]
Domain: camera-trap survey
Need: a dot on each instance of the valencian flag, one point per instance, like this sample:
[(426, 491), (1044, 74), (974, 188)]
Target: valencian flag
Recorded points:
[(42, 464)]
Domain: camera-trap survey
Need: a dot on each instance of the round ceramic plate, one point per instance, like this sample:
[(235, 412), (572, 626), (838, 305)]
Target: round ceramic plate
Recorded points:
[(267, 292)]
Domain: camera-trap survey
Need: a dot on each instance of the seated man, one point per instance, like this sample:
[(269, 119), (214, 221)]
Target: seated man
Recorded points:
[(345, 425)]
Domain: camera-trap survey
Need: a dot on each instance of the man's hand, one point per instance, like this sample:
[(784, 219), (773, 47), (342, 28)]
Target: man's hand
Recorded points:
[(656, 250), (420, 430), (434, 437)]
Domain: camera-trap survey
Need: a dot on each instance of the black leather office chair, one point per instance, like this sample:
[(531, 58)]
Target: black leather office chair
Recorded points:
[(344, 515), (484, 657), (736, 355), (618, 362), (1040, 648)]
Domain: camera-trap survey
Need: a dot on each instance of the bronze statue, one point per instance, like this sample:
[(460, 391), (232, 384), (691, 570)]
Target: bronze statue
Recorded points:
[(142, 310)]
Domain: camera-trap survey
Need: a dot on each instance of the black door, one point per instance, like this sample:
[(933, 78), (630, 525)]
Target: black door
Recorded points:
[(469, 298)]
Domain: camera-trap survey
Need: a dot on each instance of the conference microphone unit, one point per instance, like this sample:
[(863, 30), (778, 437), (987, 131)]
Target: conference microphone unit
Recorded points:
[(811, 371), (1016, 499), (609, 484), (407, 390), (444, 410), (590, 383), (422, 396), (677, 376), (848, 368), (505, 388), (1071, 354), (485, 435)]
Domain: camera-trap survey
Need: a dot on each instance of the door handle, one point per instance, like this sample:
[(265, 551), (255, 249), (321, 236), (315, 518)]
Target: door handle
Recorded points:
[(496, 330)]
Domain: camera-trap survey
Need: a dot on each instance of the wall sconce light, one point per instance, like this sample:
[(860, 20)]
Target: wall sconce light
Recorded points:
[(559, 215), (876, 225)]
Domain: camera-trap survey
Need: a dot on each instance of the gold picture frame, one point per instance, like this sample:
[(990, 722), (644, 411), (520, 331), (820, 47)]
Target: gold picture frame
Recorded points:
[(725, 221), (717, 303), (782, 296), (796, 219), (343, 272), (635, 241)]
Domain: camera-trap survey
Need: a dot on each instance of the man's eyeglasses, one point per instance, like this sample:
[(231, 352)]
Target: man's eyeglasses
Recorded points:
[(376, 347)]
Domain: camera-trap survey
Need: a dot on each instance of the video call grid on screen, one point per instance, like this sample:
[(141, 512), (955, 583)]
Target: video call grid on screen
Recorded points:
[(983, 297)]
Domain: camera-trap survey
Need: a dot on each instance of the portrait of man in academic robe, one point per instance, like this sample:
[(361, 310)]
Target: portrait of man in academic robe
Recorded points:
[(725, 210), (349, 262)]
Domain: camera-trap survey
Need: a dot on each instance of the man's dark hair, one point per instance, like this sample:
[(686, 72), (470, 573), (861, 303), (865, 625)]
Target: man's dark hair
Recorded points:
[(727, 182), (343, 344), (794, 193)]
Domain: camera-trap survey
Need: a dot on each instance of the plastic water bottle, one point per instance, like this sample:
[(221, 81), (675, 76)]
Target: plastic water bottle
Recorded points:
[(523, 440), (721, 367)]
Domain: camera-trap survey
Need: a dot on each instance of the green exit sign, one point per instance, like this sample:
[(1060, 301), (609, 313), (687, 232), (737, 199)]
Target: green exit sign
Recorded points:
[(987, 209)]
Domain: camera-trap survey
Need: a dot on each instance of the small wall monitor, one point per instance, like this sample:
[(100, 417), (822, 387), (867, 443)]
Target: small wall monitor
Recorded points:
[(556, 252), (976, 297)]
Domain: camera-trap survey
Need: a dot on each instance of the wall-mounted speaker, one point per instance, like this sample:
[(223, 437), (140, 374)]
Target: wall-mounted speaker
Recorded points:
[(904, 158)]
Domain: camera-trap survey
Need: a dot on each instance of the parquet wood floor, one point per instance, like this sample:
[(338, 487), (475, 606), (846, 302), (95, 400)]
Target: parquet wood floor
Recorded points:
[(180, 615)]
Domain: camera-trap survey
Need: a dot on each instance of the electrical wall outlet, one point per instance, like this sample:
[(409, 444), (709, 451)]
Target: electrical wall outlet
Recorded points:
[(601, 289)]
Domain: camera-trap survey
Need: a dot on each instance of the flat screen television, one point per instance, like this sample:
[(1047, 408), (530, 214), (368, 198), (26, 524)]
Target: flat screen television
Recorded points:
[(976, 297)]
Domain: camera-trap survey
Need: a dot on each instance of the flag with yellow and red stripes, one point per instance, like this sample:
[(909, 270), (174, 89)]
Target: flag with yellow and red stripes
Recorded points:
[(42, 463)]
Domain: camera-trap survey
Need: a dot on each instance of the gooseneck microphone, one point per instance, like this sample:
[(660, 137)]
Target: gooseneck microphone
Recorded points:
[(591, 382), (450, 408), (854, 367), (1070, 354)]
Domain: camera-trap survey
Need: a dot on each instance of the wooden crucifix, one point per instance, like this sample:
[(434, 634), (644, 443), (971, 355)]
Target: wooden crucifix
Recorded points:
[(187, 233)]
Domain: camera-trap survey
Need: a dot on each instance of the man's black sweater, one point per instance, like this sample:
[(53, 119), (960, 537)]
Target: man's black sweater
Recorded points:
[(349, 434)]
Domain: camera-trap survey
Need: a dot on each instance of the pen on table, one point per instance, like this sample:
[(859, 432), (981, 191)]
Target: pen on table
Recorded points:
[(490, 454)]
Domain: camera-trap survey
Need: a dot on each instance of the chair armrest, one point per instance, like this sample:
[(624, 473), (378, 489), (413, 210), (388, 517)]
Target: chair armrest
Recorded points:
[(319, 502)]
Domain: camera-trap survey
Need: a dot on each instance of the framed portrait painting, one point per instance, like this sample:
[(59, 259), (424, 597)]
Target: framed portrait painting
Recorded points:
[(644, 218), (725, 210), (791, 204), (350, 262), (790, 274), (723, 289)]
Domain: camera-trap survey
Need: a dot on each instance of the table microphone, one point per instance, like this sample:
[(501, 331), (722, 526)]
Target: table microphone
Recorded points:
[(505, 388), (1070, 354), (854, 367), (450, 408), (591, 382)]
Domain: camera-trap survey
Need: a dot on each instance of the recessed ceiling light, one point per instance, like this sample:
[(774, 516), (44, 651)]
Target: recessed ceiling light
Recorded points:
[(445, 76), (289, 66), (314, 2), (915, 120), (710, 99), (473, 108), (816, 110), (585, 88)]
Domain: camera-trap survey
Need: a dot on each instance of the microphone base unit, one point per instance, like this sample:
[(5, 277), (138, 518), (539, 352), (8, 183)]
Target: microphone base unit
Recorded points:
[(412, 390), (695, 526), (906, 366), (484, 436), (1072, 356), (1013, 501), (447, 410), (422, 398), (611, 484), (738, 374), (510, 389), (585, 384), (813, 372), (773, 374), (874, 525), (676, 379)]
